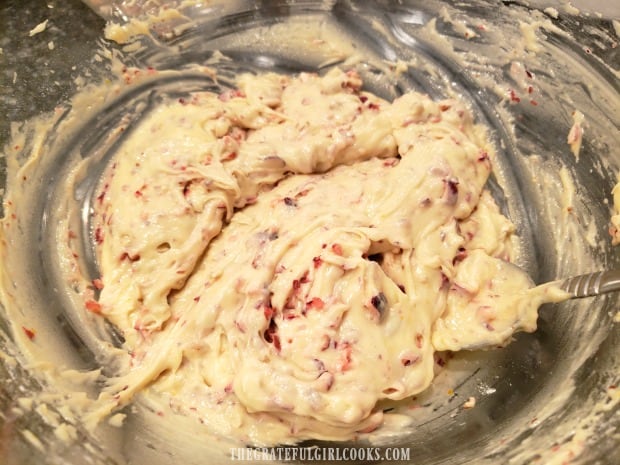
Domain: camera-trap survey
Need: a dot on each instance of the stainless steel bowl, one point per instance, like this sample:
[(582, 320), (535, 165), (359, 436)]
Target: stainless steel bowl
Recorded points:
[(536, 396)]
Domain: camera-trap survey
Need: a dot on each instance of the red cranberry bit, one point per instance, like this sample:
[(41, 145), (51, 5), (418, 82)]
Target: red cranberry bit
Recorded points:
[(98, 235), (460, 255), (271, 335), (453, 186), (30, 333), (514, 97), (290, 202), (380, 302), (337, 249), (320, 366), (268, 312), (451, 191), (316, 303), (93, 306), (408, 361), (131, 258)]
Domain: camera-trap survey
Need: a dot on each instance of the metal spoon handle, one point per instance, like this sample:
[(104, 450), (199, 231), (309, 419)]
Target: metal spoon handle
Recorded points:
[(592, 284)]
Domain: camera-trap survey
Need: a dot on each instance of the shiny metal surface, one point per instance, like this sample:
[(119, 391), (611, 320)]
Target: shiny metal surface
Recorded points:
[(578, 347), (592, 284)]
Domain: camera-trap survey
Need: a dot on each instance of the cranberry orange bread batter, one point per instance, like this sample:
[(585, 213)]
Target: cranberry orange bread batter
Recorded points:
[(281, 257)]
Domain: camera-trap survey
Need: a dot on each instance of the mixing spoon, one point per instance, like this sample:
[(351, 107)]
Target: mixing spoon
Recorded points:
[(591, 284)]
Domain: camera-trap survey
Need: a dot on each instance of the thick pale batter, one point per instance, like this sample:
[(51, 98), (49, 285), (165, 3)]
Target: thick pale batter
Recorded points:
[(281, 257)]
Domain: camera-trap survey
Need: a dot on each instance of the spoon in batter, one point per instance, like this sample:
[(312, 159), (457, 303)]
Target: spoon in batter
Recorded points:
[(591, 284)]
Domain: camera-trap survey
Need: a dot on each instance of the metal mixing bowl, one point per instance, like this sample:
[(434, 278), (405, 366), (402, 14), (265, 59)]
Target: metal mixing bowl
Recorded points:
[(534, 395)]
